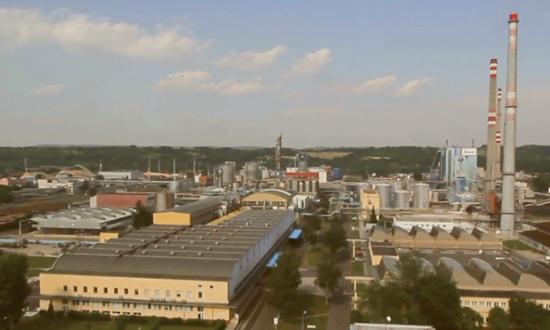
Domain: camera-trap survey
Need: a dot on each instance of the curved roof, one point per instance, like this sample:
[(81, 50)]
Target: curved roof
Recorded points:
[(454, 270), (524, 281), (277, 193), (484, 273)]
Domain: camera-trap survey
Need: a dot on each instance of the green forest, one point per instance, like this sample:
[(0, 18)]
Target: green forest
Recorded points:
[(356, 161)]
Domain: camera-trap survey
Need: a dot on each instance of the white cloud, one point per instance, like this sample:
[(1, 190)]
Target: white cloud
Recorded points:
[(311, 63), (375, 84), (249, 60), (234, 87), (48, 89), (22, 26), (201, 81), (412, 87), (181, 80)]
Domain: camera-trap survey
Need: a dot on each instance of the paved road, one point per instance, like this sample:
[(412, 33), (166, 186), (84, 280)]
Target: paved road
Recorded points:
[(339, 310)]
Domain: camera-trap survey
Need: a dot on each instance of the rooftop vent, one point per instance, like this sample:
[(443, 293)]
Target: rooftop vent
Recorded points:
[(117, 251), (208, 248), (199, 254), (216, 243), (191, 242), (131, 245), (200, 237), (156, 246), (166, 241), (172, 253), (143, 251), (183, 247), (142, 240)]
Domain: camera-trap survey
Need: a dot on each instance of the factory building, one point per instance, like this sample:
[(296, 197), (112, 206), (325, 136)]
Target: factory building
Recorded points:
[(199, 272), (153, 201), (485, 281), (538, 238), (437, 238), (268, 199), (121, 175), (370, 199), (194, 213), (87, 221), (458, 166)]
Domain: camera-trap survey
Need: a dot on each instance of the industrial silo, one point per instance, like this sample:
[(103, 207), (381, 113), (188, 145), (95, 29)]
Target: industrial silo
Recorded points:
[(251, 171), (228, 170), (421, 197), (384, 189), (401, 199)]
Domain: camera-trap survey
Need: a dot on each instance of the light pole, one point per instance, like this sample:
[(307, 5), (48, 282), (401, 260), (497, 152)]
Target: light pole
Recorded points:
[(303, 319), (276, 321), (388, 320)]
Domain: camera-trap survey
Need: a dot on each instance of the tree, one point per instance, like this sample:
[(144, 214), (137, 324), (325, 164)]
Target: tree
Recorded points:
[(13, 288), (541, 182), (498, 319), (142, 217), (283, 282), (471, 320), (414, 295), (417, 175), (6, 195), (328, 274), (310, 226), (334, 237), (526, 315)]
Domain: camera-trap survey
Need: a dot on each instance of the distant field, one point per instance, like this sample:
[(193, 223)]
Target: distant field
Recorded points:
[(328, 154), (516, 245), (68, 324)]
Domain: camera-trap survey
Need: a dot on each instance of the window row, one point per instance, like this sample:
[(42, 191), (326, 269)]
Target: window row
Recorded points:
[(127, 305), (476, 303), (157, 293)]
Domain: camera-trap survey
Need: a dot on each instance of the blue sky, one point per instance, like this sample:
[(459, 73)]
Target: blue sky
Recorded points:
[(226, 73)]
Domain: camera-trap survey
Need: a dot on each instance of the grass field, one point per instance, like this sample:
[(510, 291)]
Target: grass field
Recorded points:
[(357, 268), (36, 264), (68, 324), (313, 254), (327, 154), (516, 245)]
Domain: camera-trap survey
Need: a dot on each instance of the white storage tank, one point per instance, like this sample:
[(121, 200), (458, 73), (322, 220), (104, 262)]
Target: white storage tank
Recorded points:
[(384, 189), (421, 197), (402, 199)]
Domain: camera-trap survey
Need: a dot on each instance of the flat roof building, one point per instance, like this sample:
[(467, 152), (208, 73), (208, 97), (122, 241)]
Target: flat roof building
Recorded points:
[(194, 213), (199, 272), (90, 221), (538, 238)]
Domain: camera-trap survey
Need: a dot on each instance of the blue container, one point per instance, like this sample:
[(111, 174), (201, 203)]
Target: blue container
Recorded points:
[(337, 173)]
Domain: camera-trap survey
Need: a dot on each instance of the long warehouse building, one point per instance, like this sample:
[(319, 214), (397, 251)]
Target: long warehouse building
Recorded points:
[(199, 272)]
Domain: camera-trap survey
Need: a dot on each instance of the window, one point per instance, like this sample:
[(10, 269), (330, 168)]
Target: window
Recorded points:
[(167, 293), (65, 301), (211, 287), (85, 289), (105, 290), (200, 294), (65, 288), (75, 288), (200, 309), (95, 289), (178, 293), (136, 292), (126, 291), (116, 290)]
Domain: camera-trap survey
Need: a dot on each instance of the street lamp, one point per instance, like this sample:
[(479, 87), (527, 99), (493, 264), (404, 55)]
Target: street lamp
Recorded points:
[(388, 320), (303, 318), (276, 321)]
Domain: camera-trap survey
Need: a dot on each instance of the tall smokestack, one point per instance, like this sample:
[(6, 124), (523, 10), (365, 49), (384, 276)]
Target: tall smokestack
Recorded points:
[(498, 137), (491, 129), (278, 155), (508, 212)]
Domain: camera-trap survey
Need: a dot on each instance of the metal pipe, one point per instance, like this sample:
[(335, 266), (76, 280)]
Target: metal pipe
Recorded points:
[(491, 129), (508, 212)]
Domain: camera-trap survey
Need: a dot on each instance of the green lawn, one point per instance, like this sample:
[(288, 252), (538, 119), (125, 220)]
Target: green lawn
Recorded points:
[(516, 245), (317, 314), (36, 264), (40, 262), (313, 254), (68, 324), (357, 268)]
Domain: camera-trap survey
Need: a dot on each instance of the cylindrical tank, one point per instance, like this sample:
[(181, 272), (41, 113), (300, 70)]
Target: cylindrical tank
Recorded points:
[(265, 173), (337, 173), (315, 186), (174, 186), (251, 171), (461, 184), (421, 197), (301, 186), (384, 189), (402, 199), (228, 170)]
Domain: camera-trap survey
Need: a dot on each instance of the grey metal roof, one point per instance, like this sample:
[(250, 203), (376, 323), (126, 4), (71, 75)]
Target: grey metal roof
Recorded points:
[(176, 251), (197, 206), (82, 218)]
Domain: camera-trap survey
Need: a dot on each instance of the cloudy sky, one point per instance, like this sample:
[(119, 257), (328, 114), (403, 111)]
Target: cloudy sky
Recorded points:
[(234, 73)]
